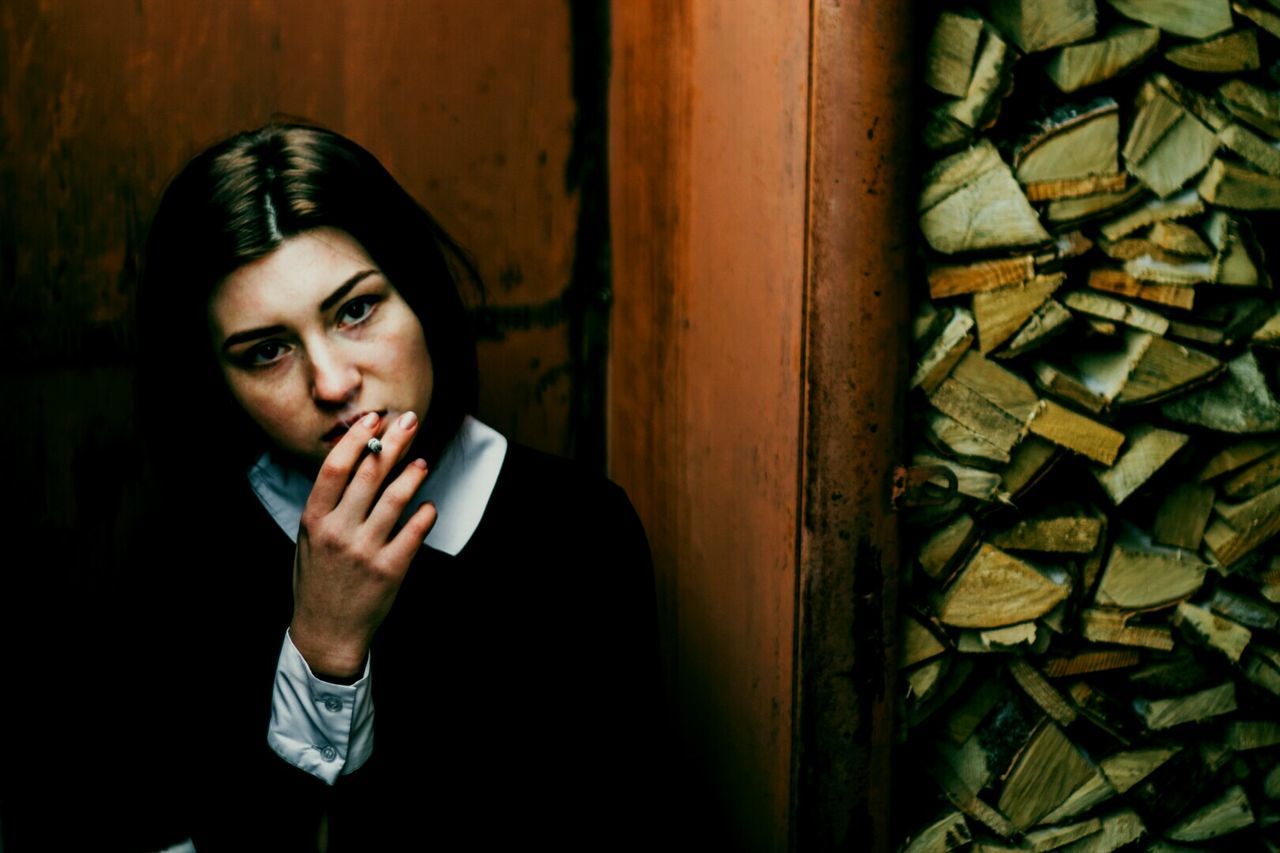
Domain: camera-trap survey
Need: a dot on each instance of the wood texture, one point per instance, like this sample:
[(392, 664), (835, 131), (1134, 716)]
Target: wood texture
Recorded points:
[(996, 589), (707, 202), (1086, 63)]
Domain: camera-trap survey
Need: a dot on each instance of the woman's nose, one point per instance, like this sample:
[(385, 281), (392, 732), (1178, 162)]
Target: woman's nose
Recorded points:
[(334, 378)]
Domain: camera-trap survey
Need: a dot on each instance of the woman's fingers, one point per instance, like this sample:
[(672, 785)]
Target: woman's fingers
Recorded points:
[(394, 499), (363, 489), (407, 542), (335, 473)]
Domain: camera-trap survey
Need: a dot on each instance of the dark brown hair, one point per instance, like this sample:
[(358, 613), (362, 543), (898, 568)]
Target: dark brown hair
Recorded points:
[(236, 202)]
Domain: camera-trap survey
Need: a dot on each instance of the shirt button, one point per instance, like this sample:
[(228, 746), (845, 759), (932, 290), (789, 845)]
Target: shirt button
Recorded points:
[(333, 703), (329, 753)]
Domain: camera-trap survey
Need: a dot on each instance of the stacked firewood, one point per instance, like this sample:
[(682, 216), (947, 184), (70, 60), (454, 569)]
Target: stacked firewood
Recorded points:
[(1090, 648)]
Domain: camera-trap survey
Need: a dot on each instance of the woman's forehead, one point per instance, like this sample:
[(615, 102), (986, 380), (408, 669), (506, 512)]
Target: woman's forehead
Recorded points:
[(297, 276)]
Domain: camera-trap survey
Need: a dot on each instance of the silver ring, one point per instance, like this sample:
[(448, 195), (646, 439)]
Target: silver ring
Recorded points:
[(374, 445)]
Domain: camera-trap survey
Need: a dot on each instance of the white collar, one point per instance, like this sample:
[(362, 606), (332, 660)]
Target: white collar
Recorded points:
[(460, 486)]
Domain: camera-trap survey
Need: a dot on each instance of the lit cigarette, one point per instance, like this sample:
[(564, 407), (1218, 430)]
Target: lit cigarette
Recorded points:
[(374, 445)]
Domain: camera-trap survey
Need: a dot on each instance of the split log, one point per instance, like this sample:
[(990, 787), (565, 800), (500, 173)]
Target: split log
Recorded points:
[(1252, 104), (1197, 19), (1179, 239), (1139, 576), (1228, 185), (1126, 769), (1094, 660), (1238, 529), (1227, 814), (1260, 154), (1253, 480), (1031, 460), (1180, 206), (1167, 145), (1038, 688), (951, 53), (1001, 313), (1118, 830), (1159, 714), (1264, 18), (1063, 210), (944, 549), (959, 279), (1196, 334), (972, 202), (1056, 837), (1003, 388), (1072, 144), (1092, 792), (1183, 515), (1048, 321), (1173, 271), (1086, 63), (1106, 308), (1146, 450), (956, 120), (923, 680), (1234, 51), (1112, 626), (1212, 631), (1165, 367), (918, 643), (1268, 334), (1120, 283), (963, 798), (1036, 25), (1248, 611), (953, 438), (1075, 432), (995, 589), (1252, 734), (945, 350), (1047, 772), (1236, 456), (1060, 532), (1065, 386), (1240, 402)]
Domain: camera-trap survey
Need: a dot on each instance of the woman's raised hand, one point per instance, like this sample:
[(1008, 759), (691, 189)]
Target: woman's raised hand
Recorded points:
[(348, 566)]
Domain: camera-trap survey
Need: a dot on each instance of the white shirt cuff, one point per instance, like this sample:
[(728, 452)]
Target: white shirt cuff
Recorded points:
[(325, 729)]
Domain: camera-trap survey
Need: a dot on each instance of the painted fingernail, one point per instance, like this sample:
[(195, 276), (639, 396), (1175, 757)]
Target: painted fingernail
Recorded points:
[(407, 420), (370, 419)]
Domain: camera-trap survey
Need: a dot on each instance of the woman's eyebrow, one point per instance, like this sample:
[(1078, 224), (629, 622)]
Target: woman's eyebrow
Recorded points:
[(345, 288), (325, 304)]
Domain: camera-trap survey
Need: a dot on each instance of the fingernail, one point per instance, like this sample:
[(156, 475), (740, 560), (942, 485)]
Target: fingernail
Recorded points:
[(420, 464), (370, 419), (407, 420)]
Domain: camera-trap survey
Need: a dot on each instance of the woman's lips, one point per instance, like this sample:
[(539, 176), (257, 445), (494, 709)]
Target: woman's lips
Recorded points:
[(341, 429)]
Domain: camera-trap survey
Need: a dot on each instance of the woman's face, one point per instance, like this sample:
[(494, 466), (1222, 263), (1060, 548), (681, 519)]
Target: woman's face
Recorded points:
[(313, 336)]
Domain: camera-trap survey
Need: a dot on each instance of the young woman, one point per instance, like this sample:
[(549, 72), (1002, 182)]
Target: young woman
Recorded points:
[(373, 622)]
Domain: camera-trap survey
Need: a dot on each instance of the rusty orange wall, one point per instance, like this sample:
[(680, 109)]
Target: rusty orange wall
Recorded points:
[(101, 100), (708, 115)]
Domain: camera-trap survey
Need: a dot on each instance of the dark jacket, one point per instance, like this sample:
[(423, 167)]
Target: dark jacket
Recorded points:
[(515, 685)]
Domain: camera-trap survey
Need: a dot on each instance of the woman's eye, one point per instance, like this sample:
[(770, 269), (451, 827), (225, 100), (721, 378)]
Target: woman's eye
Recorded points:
[(263, 353), (357, 309)]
